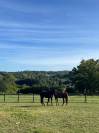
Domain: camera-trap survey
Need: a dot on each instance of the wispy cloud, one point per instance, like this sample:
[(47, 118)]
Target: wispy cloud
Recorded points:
[(26, 7), (47, 35)]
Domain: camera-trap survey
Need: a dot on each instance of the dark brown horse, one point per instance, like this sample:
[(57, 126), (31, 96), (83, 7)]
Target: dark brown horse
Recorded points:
[(61, 94), (46, 94)]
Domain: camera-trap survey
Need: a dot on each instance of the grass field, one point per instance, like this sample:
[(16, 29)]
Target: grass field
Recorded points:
[(25, 117)]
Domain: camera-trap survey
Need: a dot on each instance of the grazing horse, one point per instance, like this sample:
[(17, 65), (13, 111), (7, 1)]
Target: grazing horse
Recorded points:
[(46, 94), (60, 94)]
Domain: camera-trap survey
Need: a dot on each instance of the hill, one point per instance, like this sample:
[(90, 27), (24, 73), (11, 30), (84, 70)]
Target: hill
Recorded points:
[(11, 82)]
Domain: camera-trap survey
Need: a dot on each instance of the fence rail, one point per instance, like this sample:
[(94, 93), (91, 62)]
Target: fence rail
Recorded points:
[(17, 98), (31, 98)]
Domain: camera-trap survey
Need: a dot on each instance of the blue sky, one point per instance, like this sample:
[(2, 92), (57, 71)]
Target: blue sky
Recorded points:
[(47, 34)]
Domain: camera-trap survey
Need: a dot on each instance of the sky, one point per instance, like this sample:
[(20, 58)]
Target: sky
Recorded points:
[(47, 35)]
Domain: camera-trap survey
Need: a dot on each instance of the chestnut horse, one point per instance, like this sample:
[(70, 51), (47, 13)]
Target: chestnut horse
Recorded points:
[(60, 94)]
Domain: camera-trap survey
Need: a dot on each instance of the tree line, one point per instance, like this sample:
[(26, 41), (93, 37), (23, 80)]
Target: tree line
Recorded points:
[(32, 81), (84, 76)]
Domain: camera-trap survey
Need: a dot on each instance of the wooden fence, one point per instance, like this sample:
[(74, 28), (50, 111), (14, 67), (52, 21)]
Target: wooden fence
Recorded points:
[(31, 98), (16, 97)]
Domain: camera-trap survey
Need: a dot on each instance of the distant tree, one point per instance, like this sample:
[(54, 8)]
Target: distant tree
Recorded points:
[(3, 86)]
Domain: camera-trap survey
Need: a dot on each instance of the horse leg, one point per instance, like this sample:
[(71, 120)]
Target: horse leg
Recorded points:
[(48, 101), (42, 101), (67, 100), (57, 102), (56, 99), (51, 101), (63, 100)]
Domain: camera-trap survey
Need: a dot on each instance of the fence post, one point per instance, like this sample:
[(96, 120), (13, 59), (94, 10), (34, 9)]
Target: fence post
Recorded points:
[(4, 97), (33, 97), (85, 93), (18, 97)]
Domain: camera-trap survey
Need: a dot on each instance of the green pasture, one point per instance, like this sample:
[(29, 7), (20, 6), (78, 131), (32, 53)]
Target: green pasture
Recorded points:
[(28, 117)]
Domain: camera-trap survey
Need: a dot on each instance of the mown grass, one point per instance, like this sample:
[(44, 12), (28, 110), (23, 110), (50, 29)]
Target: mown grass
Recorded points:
[(76, 117)]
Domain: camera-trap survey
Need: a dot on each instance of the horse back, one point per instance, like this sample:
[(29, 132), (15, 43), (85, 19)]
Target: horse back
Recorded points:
[(46, 94)]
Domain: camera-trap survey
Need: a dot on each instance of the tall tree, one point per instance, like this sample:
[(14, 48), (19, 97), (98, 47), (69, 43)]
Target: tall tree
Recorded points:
[(86, 75)]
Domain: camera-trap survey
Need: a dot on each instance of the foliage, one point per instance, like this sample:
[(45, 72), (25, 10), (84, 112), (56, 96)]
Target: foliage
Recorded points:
[(86, 75), (31, 81)]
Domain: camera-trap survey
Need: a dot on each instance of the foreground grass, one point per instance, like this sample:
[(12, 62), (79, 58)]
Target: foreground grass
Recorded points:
[(34, 118)]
